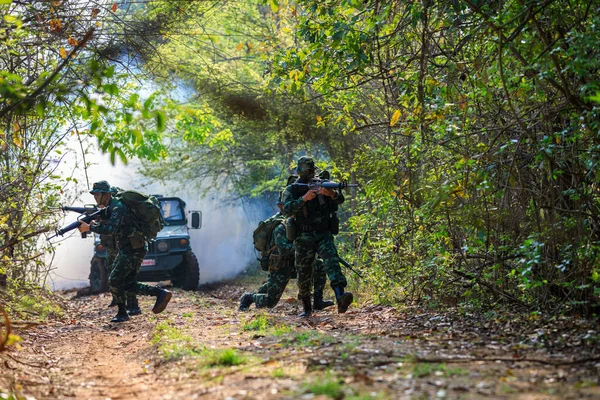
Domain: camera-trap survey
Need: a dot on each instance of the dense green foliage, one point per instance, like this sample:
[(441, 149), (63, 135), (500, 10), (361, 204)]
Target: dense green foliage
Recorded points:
[(472, 127)]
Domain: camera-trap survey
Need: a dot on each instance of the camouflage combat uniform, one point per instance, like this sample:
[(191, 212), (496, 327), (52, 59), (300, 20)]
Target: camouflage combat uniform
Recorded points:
[(314, 236), (282, 269), (131, 250)]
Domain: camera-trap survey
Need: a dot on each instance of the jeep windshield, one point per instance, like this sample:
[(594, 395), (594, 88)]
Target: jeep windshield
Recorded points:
[(172, 211)]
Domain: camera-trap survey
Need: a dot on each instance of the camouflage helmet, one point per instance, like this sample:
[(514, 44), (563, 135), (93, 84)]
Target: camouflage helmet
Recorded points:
[(305, 164), (100, 187)]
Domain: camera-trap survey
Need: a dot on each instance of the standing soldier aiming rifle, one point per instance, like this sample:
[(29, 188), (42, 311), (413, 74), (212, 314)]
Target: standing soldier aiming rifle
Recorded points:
[(124, 226), (281, 269), (313, 211)]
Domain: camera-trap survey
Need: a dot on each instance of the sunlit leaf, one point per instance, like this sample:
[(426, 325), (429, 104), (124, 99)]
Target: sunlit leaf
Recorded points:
[(114, 7), (63, 52), (395, 117)]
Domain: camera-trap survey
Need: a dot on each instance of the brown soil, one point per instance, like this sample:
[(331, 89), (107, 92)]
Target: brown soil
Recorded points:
[(369, 352)]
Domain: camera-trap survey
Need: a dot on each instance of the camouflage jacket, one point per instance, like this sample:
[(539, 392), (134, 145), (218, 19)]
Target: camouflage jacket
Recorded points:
[(121, 225), (311, 213), (283, 247)]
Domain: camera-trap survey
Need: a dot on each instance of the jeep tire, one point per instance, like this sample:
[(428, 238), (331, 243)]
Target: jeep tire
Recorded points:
[(98, 276), (187, 274)]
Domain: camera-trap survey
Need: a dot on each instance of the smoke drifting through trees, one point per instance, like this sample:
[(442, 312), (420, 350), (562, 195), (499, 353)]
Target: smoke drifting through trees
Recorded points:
[(223, 245)]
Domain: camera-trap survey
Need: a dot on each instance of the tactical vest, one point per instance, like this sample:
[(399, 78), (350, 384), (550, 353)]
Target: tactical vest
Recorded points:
[(314, 217)]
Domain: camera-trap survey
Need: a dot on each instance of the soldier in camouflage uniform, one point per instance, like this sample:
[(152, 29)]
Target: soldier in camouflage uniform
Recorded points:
[(109, 243), (131, 250), (281, 270), (314, 235)]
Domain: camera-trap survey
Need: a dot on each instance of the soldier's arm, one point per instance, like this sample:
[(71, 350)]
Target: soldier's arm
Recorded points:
[(290, 205), (109, 227), (284, 246)]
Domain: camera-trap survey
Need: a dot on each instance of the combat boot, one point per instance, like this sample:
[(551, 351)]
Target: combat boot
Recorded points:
[(132, 305), (343, 299), (122, 315), (307, 308), (245, 301), (319, 303), (162, 299)]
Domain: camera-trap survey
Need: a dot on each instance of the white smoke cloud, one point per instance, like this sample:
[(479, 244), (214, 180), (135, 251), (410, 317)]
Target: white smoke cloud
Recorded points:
[(223, 245)]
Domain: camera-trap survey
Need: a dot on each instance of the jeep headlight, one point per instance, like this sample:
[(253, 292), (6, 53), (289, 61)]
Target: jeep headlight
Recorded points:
[(162, 246)]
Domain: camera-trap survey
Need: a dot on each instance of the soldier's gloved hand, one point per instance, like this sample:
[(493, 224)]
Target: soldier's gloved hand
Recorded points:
[(308, 196), (326, 192), (84, 227)]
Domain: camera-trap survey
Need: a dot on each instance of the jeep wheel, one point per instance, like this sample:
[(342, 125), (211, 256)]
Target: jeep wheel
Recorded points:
[(98, 276), (187, 274)]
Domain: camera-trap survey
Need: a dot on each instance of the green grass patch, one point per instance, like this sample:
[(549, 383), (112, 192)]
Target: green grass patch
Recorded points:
[(282, 329), (224, 358), (259, 323), (173, 344), (420, 370), (327, 386), (188, 315), (307, 339)]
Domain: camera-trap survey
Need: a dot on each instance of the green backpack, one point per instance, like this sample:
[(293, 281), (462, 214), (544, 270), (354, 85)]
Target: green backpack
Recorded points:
[(146, 210), (262, 237)]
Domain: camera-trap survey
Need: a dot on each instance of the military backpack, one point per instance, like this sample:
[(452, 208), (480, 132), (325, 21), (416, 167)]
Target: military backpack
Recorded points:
[(262, 238), (146, 210)]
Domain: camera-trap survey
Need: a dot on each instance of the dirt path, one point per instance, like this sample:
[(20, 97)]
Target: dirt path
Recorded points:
[(201, 347)]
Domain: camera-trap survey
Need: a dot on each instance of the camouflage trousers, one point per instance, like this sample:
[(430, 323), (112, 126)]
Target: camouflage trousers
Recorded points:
[(111, 255), (123, 277), (308, 244), (270, 292)]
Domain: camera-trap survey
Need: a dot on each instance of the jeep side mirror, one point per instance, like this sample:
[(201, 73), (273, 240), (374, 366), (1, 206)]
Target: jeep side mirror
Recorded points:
[(196, 219)]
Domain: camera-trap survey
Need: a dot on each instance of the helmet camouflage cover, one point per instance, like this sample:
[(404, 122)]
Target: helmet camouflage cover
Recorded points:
[(100, 187), (305, 164)]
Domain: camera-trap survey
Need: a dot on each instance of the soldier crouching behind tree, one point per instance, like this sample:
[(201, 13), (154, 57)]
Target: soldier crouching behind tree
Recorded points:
[(131, 247), (312, 216)]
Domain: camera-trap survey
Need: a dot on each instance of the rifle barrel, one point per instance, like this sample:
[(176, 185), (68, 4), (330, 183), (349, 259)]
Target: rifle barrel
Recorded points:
[(87, 218), (80, 210)]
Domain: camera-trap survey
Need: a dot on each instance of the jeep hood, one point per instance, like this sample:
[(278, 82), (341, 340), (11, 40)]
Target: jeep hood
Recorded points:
[(173, 230)]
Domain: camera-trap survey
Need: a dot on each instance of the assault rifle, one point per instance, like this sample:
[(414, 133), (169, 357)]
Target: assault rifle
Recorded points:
[(84, 217), (317, 183)]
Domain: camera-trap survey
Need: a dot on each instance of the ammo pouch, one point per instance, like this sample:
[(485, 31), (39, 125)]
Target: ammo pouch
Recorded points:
[(291, 229), (108, 241), (264, 262), (136, 241), (334, 224), (277, 262)]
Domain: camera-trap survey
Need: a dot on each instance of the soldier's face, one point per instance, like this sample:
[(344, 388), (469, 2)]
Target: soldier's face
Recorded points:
[(102, 199), (308, 175)]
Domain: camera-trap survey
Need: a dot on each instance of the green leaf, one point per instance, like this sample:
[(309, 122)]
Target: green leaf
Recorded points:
[(160, 121), (595, 98)]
